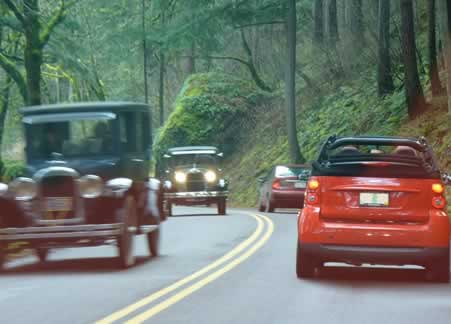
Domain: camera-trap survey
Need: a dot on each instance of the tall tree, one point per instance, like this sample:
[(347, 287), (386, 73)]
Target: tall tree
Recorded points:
[(384, 75), (448, 52), (290, 84), (416, 103), (356, 20), (436, 86), (37, 35), (318, 14), (332, 21)]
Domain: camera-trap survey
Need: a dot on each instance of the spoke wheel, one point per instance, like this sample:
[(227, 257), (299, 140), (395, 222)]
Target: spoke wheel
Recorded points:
[(126, 238), (42, 254), (2, 256), (222, 209), (153, 242)]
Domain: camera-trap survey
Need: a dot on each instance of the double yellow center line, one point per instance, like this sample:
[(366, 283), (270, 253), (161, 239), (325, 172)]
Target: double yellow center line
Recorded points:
[(221, 266)]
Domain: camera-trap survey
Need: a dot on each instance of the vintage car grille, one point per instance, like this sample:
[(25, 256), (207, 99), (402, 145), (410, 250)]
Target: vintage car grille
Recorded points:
[(195, 182), (58, 197)]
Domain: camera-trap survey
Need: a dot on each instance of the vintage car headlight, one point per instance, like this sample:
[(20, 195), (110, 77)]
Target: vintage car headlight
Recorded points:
[(90, 186), (3, 188), (180, 177), (23, 188), (210, 176)]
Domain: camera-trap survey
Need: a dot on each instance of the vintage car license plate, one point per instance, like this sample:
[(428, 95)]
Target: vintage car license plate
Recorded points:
[(58, 204), (373, 199), (300, 184)]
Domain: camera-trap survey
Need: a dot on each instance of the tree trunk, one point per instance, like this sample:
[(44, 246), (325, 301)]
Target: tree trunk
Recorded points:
[(436, 87), (318, 30), (161, 92), (145, 57), (414, 93), (356, 20), (191, 59), (333, 21), (448, 52), (33, 51), (4, 99), (384, 76), (290, 91)]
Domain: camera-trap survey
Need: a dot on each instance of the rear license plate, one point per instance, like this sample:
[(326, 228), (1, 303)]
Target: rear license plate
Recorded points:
[(372, 199), (58, 204), (300, 184)]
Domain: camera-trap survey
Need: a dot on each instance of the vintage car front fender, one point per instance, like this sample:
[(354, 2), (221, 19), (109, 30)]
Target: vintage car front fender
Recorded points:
[(12, 214)]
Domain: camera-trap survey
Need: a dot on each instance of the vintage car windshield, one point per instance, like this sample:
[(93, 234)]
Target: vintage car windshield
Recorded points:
[(192, 159), (70, 138)]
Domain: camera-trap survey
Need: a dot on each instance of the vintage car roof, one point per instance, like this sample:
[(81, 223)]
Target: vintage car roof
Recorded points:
[(84, 107), (193, 149)]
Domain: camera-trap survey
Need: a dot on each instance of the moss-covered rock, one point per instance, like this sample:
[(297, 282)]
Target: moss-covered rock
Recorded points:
[(208, 111)]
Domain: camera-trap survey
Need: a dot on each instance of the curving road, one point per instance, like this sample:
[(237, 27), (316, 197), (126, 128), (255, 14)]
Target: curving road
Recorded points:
[(215, 269)]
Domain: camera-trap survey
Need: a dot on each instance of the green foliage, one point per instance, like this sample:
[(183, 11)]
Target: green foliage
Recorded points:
[(11, 170), (207, 112)]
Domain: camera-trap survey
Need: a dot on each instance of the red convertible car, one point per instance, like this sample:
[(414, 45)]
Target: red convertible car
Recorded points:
[(375, 200)]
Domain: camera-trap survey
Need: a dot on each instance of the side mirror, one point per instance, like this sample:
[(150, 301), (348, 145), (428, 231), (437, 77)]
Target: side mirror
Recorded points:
[(446, 178), (220, 154)]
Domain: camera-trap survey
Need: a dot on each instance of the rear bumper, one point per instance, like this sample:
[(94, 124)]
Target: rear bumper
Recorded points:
[(60, 233), (374, 255), (314, 229), (288, 198)]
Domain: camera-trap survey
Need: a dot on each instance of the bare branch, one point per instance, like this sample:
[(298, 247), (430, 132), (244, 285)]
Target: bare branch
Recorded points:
[(15, 74)]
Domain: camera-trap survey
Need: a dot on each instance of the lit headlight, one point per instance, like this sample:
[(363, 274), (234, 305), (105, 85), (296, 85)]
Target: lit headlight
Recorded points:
[(91, 186), (23, 188), (180, 177), (210, 176)]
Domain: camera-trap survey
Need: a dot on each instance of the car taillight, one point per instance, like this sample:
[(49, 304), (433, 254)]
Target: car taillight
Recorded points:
[(313, 184), (438, 202), (312, 194), (276, 184), (438, 188)]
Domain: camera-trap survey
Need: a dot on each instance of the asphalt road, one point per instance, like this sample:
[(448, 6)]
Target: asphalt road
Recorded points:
[(237, 268)]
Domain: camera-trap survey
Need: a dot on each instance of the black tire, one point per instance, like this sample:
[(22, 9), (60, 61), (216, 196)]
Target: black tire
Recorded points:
[(269, 206), (261, 207), (42, 254), (2, 256), (126, 239), (153, 242), (438, 271), (169, 208), (222, 209), (305, 267)]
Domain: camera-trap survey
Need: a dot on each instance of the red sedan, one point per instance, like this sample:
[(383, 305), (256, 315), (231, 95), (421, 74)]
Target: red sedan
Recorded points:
[(283, 187), (375, 200)]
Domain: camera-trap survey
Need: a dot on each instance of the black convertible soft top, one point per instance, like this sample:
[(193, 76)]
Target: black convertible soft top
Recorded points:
[(414, 160)]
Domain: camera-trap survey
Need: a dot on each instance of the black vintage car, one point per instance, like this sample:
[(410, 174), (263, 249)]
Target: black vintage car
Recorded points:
[(193, 176), (87, 181)]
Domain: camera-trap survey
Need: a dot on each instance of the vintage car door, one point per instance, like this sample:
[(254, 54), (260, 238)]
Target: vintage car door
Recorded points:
[(134, 129)]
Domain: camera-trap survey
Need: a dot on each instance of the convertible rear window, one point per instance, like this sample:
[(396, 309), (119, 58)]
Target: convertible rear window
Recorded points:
[(376, 161), (289, 171)]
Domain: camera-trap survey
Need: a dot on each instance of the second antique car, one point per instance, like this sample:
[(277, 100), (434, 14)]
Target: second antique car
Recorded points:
[(193, 177), (86, 182)]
